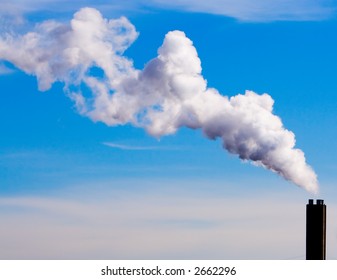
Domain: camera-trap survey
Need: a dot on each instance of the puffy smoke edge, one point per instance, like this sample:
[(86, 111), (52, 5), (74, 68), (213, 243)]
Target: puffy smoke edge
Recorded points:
[(169, 93)]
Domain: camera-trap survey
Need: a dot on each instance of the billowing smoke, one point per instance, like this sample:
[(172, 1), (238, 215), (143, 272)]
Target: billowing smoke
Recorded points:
[(169, 93)]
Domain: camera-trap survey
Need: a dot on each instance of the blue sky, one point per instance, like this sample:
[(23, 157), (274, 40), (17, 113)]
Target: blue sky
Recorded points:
[(74, 188)]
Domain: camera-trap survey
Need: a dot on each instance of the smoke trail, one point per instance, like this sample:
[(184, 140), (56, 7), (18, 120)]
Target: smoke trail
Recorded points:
[(168, 93)]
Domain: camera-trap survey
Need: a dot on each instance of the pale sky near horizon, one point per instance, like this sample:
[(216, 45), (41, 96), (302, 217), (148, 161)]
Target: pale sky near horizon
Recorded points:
[(71, 188)]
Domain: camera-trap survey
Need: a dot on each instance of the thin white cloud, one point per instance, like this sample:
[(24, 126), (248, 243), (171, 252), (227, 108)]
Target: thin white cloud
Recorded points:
[(242, 10), (135, 148), (258, 10)]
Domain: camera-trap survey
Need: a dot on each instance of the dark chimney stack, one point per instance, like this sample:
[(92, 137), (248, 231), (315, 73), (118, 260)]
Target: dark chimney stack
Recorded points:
[(316, 230)]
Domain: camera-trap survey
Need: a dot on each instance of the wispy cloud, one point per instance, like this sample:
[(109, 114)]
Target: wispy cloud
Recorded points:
[(136, 148), (258, 10), (242, 10)]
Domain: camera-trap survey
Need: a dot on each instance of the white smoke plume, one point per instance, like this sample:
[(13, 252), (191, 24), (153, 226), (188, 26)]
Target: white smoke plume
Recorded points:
[(167, 94)]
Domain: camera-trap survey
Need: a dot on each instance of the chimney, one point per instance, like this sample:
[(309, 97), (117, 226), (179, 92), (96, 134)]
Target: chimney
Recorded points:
[(316, 230)]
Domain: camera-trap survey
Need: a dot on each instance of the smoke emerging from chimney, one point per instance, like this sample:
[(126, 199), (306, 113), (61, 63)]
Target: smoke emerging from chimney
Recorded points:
[(167, 94)]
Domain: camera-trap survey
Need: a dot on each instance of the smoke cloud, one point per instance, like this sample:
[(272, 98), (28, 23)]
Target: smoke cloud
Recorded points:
[(169, 93)]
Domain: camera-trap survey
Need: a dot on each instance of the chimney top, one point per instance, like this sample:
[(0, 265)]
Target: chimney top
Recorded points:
[(318, 202)]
